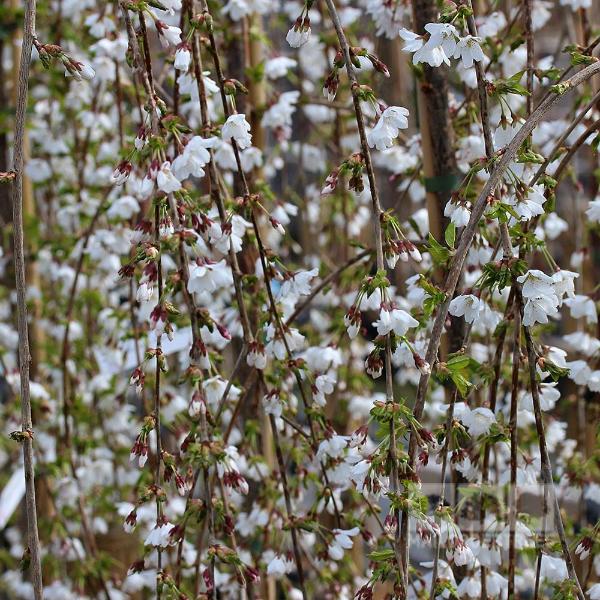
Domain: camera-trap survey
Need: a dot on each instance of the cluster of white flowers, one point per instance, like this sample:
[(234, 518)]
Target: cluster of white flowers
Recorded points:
[(279, 115), (459, 213), (543, 294), (475, 311), (299, 34), (444, 42), (529, 205)]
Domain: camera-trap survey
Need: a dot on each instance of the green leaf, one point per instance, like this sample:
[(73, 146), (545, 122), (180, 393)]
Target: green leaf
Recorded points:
[(382, 555), (461, 383), (450, 235), (552, 74), (559, 88), (510, 86), (555, 371), (458, 363), (529, 156), (577, 58), (439, 254)]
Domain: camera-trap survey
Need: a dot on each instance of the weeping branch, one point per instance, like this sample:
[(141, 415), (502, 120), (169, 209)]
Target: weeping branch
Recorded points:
[(21, 288)]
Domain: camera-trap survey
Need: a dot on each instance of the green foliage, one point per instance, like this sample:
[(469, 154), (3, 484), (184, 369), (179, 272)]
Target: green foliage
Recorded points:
[(439, 253), (512, 85)]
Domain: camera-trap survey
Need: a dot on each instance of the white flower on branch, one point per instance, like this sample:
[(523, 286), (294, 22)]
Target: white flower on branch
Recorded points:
[(207, 276), (549, 396), (297, 284), (279, 566), (524, 537), (458, 212), (168, 35), (413, 41), (160, 536), (468, 306), (443, 35), (460, 554), (593, 211), (437, 49), (342, 541), (183, 58), (237, 128), (396, 320), (194, 158), (582, 306), (469, 51), (469, 587), (564, 284), (256, 357), (324, 385), (553, 569), (530, 204), (277, 347), (332, 447), (231, 235), (299, 34), (83, 71), (166, 180), (434, 56), (504, 134), (538, 309), (444, 42), (273, 404), (214, 389), (388, 127), (497, 585), (536, 283), (479, 420)]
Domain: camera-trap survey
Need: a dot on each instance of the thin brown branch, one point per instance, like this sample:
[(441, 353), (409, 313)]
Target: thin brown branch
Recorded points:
[(376, 223), (21, 288), (288, 507), (546, 464), (514, 399)]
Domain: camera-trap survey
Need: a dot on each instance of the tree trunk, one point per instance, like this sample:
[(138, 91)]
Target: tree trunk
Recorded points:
[(437, 139)]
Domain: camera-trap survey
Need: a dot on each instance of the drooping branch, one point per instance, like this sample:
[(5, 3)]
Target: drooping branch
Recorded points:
[(21, 289), (546, 464), (377, 234), (513, 427)]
